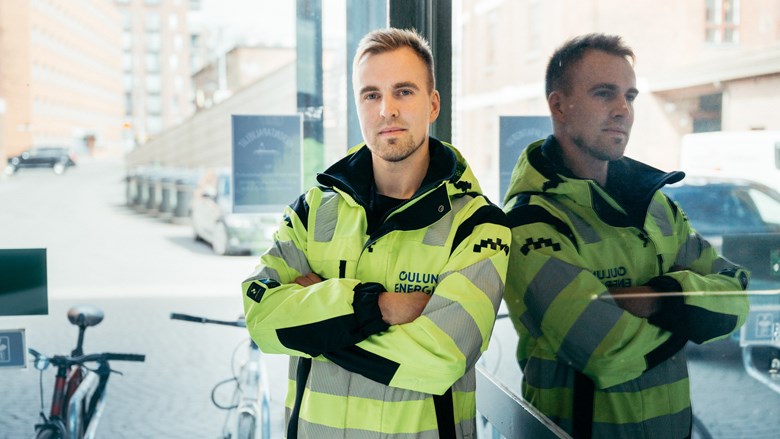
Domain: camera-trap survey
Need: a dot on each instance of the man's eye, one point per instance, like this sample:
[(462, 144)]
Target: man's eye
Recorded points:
[(371, 96), (631, 98), (404, 92)]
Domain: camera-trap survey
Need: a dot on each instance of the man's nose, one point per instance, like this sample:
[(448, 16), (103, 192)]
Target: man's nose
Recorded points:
[(622, 107), (389, 108)]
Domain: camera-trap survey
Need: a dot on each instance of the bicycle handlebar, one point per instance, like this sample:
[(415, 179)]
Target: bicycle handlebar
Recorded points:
[(188, 318), (63, 360)]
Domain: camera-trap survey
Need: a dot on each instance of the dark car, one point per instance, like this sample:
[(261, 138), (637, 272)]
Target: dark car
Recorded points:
[(718, 206), (58, 158), (741, 219), (213, 219)]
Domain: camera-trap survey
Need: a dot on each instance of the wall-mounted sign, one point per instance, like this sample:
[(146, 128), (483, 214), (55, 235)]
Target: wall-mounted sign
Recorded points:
[(13, 353), (515, 133), (267, 162)]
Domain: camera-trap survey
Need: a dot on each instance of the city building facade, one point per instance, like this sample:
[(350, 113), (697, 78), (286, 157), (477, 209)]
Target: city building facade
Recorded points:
[(60, 76)]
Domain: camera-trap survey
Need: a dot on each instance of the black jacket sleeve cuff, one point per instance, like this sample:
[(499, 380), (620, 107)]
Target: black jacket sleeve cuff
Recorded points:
[(671, 316), (366, 306)]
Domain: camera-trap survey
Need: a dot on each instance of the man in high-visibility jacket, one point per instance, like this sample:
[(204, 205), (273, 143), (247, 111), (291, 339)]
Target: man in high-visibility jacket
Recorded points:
[(383, 282), (601, 260)]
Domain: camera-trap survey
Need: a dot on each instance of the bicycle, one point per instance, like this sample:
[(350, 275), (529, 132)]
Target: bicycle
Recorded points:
[(250, 397), (79, 395)]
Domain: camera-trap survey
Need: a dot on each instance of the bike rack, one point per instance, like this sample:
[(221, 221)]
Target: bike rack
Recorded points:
[(75, 408)]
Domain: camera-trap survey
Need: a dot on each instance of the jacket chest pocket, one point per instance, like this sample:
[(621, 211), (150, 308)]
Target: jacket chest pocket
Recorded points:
[(336, 258)]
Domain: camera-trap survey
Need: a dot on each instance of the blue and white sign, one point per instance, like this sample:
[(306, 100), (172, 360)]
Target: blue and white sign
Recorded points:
[(762, 327), (515, 133), (267, 162), (13, 353)]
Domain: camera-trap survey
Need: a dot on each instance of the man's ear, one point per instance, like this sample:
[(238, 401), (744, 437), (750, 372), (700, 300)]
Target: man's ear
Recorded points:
[(435, 106), (555, 102)]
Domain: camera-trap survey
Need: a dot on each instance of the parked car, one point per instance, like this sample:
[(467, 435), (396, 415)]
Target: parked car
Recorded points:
[(214, 222), (58, 158), (718, 206), (741, 219)]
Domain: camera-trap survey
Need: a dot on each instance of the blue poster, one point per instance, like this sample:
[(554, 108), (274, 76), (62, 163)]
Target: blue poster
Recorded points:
[(267, 162), (515, 133)]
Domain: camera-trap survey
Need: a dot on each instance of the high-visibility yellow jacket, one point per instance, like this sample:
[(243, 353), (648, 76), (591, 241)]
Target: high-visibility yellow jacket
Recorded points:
[(587, 363), (350, 374)]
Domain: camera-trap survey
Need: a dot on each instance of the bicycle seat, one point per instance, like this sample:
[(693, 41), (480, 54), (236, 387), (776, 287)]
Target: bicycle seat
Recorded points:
[(85, 315)]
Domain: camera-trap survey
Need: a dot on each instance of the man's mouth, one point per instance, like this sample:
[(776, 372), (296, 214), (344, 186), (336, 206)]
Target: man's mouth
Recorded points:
[(391, 130)]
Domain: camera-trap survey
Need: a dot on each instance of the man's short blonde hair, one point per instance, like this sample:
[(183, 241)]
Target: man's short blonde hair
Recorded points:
[(389, 39)]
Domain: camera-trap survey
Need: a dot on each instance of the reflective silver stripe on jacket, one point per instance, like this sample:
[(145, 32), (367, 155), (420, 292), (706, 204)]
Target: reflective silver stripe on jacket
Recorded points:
[(548, 374), (292, 255), (550, 280), (309, 430), (677, 425), (585, 231), (438, 233), (691, 250), (673, 369), (451, 318), (588, 331), (657, 210), (326, 217)]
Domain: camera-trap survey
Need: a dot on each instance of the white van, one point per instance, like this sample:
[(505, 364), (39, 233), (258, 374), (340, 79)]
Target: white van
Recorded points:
[(753, 155)]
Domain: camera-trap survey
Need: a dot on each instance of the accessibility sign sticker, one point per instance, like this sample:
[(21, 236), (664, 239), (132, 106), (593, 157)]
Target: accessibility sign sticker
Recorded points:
[(762, 327), (12, 349)]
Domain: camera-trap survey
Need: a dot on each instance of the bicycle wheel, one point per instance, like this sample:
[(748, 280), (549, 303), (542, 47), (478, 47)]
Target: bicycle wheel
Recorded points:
[(47, 433), (246, 426)]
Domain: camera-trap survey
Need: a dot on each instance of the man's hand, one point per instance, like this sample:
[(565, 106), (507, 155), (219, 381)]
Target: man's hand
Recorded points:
[(644, 301), (308, 280), (399, 308)]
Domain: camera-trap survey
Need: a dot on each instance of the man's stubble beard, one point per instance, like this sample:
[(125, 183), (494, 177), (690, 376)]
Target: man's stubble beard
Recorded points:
[(403, 154)]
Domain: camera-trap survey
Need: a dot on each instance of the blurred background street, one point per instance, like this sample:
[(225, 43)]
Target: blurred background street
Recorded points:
[(138, 269)]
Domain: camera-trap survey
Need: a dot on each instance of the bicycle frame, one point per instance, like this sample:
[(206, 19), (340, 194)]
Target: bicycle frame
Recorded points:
[(79, 392), (78, 415), (250, 401), (252, 394)]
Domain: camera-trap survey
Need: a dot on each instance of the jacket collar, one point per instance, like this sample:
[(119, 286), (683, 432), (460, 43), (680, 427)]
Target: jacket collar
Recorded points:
[(354, 173), (627, 195)]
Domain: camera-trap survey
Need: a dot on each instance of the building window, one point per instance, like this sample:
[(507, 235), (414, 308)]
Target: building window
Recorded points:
[(153, 104), (127, 81), (154, 124), (153, 42), (127, 40), (127, 62), (153, 21), (128, 104), (173, 22), (127, 20), (152, 62), (722, 21), (153, 84), (535, 26), (708, 116)]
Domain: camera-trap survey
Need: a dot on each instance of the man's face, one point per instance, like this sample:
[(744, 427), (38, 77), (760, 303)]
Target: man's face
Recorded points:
[(394, 103), (597, 112)]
